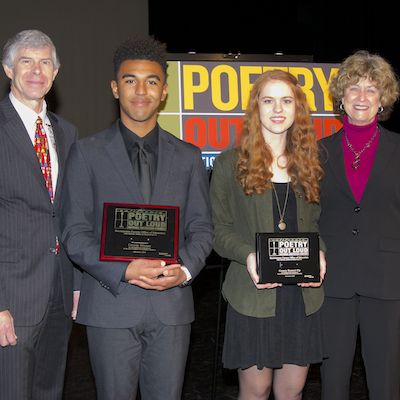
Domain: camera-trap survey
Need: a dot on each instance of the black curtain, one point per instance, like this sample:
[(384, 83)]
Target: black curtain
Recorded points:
[(85, 34)]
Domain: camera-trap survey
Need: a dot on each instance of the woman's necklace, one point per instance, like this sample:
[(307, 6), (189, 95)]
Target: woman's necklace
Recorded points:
[(281, 223), (356, 162)]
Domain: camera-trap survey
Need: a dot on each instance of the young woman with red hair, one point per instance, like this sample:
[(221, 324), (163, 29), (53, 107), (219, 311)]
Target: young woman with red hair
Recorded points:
[(270, 182)]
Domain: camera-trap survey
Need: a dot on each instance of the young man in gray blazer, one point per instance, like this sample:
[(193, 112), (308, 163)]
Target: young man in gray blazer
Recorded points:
[(137, 313), (35, 273)]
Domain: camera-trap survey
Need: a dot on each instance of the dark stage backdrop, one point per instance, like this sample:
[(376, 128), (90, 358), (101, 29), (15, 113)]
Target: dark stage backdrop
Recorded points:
[(85, 34)]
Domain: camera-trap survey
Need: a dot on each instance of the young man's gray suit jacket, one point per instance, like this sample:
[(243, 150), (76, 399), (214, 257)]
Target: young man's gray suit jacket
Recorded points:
[(99, 171)]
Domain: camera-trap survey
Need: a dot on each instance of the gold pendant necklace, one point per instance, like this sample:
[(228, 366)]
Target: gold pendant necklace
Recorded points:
[(281, 223)]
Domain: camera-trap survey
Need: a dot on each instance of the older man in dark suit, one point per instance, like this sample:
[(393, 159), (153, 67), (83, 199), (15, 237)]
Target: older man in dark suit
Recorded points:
[(35, 273), (137, 314)]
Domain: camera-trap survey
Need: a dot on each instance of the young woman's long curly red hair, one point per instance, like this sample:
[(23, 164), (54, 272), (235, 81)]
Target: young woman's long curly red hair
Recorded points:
[(255, 156)]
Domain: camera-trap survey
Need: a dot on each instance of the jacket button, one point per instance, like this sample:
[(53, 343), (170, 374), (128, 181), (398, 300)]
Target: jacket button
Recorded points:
[(357, 209), (354, 231)]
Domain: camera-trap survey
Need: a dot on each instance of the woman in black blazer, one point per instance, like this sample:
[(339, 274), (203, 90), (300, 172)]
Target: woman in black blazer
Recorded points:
[(360, 224)]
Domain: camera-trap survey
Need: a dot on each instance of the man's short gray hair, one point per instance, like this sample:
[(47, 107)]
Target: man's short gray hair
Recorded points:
[(28, 39)]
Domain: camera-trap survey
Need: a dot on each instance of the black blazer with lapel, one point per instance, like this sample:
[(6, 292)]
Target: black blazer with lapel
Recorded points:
[(99, 171), (29, 222), (362, 239)]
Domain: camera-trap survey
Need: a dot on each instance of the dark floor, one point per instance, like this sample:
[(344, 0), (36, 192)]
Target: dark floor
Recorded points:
[(199, 383)]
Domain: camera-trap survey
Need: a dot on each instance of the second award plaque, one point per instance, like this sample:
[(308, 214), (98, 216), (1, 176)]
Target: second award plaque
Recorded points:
[(288, 258), (133, 231)]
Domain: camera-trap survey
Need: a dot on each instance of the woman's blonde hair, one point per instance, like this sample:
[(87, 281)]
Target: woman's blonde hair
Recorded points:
[(363, 64)]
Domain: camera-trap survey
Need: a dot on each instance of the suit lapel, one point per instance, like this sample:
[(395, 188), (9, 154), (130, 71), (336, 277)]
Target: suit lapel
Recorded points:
[(17, 133), (60, 149), (384, 154), (164, 162), (336, 164), (115, 147)]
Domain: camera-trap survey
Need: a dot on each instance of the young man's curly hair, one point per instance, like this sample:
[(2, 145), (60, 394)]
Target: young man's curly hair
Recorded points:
[(141, 48)]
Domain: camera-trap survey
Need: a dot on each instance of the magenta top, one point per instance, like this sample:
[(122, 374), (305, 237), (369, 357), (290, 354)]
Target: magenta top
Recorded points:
[(358, 137)]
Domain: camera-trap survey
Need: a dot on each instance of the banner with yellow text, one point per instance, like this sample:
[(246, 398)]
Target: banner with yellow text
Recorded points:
[(207, 99)]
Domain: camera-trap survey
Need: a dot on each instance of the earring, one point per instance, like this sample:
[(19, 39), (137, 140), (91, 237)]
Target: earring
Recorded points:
[(380, 110), (341, 107)]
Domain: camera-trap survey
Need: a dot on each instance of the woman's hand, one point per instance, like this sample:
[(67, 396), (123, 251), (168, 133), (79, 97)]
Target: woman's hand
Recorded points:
[(322, 272), (251, 263)]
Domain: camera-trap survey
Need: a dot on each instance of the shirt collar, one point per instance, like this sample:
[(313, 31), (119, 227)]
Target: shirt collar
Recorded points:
[(131, 138), (27, 115)]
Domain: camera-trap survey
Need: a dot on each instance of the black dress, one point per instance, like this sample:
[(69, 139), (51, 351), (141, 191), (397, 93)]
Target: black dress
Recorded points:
[(290, 337)]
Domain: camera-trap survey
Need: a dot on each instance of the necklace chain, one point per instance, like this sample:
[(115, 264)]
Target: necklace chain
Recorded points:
[(357, 154), (282, 223)]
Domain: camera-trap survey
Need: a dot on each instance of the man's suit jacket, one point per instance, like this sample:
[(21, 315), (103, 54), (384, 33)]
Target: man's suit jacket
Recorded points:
[(29, 222), (99, 171), (363, 240)]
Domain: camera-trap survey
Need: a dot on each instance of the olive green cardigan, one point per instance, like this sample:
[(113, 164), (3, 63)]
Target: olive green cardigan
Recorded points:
[(237, 217)]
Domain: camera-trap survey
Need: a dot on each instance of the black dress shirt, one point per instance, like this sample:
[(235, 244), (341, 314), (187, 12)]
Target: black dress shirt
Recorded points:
[(150, 144)]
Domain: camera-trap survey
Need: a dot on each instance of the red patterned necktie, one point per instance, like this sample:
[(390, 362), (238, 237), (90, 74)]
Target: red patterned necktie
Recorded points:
[(42, 151)]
